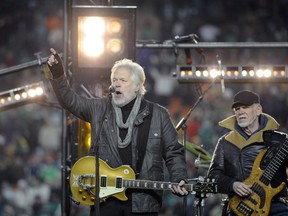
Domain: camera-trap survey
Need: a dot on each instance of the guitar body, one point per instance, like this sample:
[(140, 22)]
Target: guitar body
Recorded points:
[(115, 181), (259, 201), (85, 166)]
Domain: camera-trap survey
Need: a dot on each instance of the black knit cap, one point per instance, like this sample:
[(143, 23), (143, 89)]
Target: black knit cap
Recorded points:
[(246, 98)]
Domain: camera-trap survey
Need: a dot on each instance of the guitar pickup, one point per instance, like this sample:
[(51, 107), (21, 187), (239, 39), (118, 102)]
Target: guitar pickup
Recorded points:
[(119, 182), (103, 181)]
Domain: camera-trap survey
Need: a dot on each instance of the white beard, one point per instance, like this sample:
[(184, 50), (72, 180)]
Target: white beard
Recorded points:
[(120, 102), (247, 124)]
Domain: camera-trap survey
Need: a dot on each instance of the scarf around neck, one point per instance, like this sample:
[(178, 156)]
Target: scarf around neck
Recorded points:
[(128, 124)]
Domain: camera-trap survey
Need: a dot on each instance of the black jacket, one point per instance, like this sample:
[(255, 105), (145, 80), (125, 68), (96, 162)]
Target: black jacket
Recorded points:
[(234, 155), (162, 148)]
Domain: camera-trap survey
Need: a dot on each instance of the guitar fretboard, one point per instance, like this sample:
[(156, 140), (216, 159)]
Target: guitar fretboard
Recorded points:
[(156, 185), (275, 163)]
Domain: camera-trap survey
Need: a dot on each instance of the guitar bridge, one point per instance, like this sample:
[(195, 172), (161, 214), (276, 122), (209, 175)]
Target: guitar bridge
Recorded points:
[(244, 209), (86, 182)]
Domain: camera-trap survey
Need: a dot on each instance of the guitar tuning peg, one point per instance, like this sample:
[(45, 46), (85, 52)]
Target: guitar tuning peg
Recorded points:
[(201, 178)]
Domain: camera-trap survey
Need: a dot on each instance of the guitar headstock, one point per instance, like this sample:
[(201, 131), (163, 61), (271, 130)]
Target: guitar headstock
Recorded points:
[(203, 186)]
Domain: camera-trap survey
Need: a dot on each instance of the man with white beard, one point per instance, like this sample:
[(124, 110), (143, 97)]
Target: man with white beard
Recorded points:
[(135, 132)]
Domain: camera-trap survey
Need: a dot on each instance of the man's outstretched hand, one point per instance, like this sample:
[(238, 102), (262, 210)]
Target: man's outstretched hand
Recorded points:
[(55, 64)]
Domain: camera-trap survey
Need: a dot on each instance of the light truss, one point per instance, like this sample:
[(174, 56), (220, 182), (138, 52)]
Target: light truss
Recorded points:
[(20, 96), (256, 73)]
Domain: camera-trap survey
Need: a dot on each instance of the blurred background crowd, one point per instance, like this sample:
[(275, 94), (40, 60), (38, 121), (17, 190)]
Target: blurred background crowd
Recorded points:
[(31, 135)]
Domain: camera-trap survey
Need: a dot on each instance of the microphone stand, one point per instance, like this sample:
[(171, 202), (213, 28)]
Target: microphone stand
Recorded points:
[(183, 126), (199, 195), (97, 165), (199, 203)]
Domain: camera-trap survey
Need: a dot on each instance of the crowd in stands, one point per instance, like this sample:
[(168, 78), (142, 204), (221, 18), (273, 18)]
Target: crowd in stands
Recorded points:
[(30, 136)]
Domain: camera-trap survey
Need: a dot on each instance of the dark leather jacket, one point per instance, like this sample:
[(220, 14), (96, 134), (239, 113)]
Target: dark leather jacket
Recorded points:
[(162, 141), (234, 155)]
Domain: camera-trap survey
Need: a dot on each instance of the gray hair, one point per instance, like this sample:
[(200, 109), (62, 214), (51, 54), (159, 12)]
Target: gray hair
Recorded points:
[(138, 74)]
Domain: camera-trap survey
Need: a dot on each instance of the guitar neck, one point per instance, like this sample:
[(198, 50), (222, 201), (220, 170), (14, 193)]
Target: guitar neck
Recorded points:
[(275, 163), (155, 185)]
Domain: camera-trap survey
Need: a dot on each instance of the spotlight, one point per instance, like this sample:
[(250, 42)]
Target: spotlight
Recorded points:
[(22, 95), (206, 73), (101, 35)]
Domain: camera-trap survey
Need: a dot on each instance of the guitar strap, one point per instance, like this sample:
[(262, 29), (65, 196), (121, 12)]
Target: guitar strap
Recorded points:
[(142, 138)]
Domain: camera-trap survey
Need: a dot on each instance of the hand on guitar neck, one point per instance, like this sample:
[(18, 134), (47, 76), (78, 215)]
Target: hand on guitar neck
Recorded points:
[(179, 189)]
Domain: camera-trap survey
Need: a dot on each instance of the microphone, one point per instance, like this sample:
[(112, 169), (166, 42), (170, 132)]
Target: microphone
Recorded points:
[(111, 89), (185, 38)]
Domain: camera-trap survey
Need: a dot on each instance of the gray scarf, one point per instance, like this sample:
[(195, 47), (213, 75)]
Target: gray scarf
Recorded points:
[(129, 123)]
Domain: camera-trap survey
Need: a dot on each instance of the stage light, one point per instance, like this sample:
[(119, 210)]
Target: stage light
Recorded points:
[(101, 35), (206, 73), (115, 46), (115, 26), (22, 95)]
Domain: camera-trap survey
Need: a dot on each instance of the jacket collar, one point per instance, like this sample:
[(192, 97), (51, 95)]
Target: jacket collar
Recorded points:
[(235, 136)]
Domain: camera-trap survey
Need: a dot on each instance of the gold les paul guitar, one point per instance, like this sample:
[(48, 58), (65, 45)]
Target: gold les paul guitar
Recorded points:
[(114, 182), (259, 201)]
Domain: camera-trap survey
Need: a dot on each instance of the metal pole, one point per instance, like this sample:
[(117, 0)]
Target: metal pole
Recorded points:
[(164, 45), (65, 202), (26, 65), (229, 45)]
